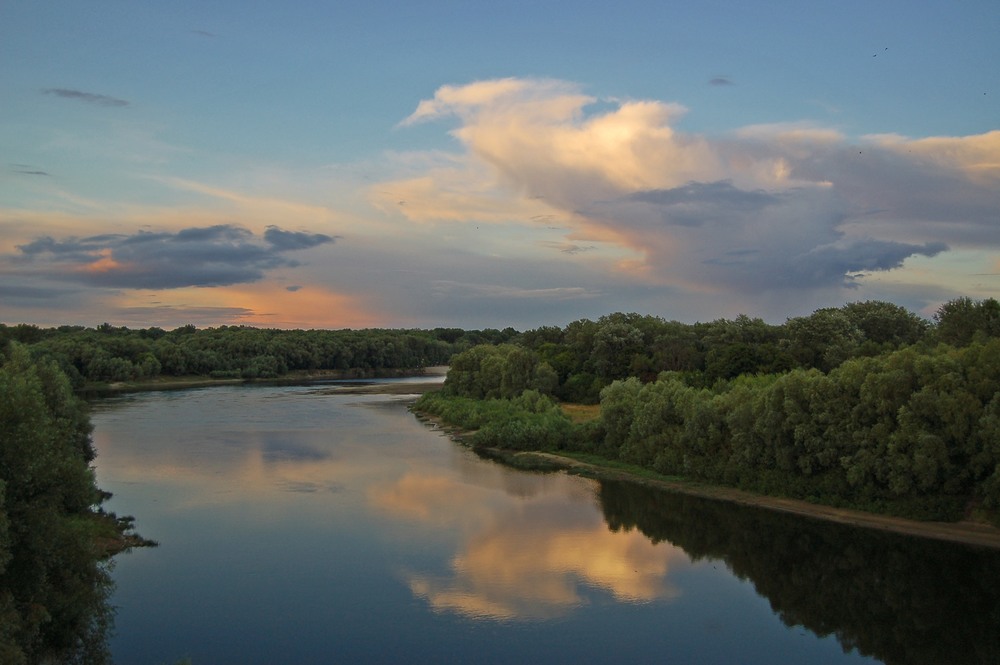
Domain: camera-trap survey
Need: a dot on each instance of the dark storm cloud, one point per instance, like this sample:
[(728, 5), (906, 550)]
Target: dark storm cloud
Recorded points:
[(826, 264), (292, 240), (691, 205), (720, 193), (219, 255), (751, 240), (73, 249), (89, 97)]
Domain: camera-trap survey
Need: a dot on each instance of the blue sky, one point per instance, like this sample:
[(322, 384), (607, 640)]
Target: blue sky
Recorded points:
[(323, 164)]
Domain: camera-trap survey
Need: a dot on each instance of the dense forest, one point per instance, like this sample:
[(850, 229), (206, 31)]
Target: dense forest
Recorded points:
[(55, 540), (115, 354), (866, 406)]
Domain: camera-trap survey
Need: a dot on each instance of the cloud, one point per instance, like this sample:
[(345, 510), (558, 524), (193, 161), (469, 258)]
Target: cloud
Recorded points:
[(782, 208), (544, 98), (720, 81), (697, 203), (169, 316), (18, 292), (568, 247), (218, 255), (831, 262), (461, 290), (292, 240), (494, 576), (89, 97), (25, 169)]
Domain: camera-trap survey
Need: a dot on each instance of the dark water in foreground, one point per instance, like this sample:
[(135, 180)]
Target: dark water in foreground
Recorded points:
[(298, 526)]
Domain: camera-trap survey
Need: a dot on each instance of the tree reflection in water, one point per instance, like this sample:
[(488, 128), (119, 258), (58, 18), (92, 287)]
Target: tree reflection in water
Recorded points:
[(901, 599)]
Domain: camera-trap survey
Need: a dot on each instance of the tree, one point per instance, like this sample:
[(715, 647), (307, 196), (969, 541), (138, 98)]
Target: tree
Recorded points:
[(824, 339), (615, 344), (618, 404), (960, 321), (742, 346), (884, 323), (53, 585)]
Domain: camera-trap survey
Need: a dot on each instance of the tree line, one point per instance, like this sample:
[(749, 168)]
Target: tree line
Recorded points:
[(111, 354), (866, 406), (588, 355)]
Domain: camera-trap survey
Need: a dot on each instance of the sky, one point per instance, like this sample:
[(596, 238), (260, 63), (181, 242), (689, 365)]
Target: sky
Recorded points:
[(321, 164)]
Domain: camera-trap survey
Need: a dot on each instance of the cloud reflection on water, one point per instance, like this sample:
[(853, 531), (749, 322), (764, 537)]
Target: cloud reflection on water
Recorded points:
[(531, 555)]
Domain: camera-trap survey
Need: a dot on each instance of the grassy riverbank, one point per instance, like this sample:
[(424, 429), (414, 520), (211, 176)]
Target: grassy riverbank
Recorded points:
[(973, 532)]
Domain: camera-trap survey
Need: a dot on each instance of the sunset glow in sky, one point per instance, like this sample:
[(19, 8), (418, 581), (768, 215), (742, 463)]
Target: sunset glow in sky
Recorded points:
[(329, 165)]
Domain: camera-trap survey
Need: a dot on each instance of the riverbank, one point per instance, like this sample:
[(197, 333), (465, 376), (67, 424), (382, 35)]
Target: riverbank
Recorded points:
[(291, 378), (967, 532)]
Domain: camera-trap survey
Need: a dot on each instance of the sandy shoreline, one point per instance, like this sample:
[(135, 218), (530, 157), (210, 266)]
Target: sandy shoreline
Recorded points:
[(969, 533)]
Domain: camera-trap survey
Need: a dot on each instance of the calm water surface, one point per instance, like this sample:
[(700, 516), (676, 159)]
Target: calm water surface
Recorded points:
[(299, 526)]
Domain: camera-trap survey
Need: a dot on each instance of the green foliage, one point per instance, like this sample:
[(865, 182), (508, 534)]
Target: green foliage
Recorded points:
[(883, 324), (573, 363), (824, 339), (530, 421), (116, 354), (53, 584), (963, 320), (743, 346), (909, 432), (498, 372)]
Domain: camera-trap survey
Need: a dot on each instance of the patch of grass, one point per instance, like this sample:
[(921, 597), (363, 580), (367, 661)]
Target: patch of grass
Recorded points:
[(581, 413)]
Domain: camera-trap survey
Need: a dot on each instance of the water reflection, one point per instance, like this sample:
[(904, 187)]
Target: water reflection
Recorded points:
[(230, 446), (532, 553), (526, 546), (901, 599)]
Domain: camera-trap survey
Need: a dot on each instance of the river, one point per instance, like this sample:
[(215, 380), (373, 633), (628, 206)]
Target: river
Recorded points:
[(301, 525)]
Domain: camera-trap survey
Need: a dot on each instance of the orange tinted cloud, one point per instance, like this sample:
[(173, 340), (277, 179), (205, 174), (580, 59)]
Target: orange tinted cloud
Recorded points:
[(527, 567), (104, 264), (763, 212), (298, 306), (529, 554), (977, 156), (261, 304)]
